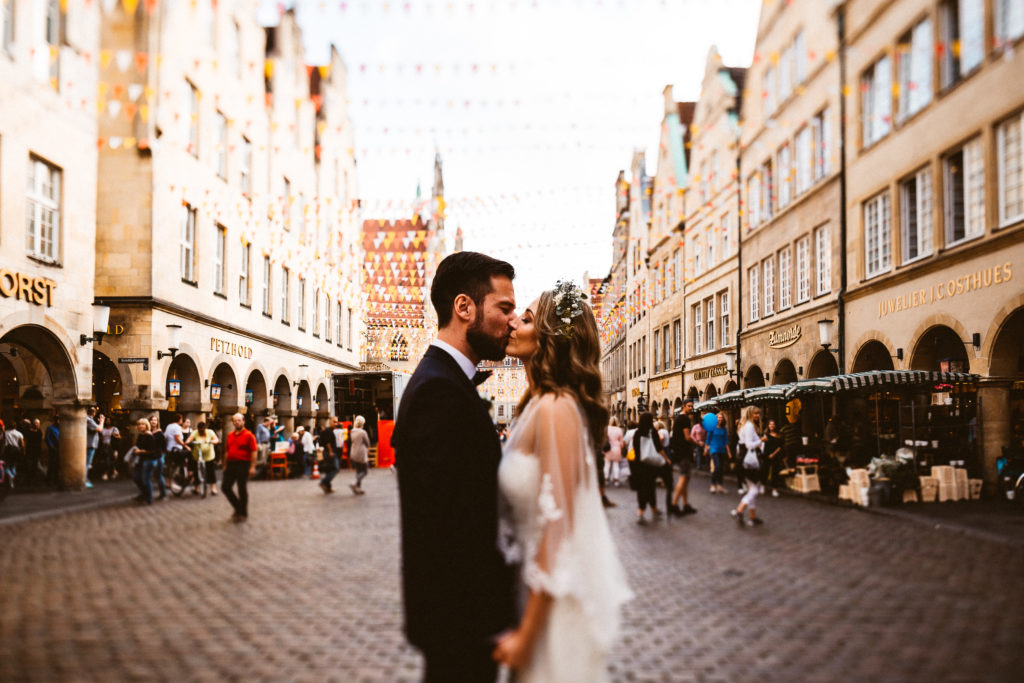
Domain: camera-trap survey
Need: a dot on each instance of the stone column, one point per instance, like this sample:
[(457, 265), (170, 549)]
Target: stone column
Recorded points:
[(226, 424), (286, 417), (72, 446), (994, 419)]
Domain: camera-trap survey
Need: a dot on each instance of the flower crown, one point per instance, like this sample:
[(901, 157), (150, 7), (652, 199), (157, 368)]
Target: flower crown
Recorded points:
[(567, 297)]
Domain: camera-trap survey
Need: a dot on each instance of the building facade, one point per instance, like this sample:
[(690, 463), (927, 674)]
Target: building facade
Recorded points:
[(613, 316), (48, 134), (935, 199), (789, 172), (638, 290), (227, 245), (711, 304)]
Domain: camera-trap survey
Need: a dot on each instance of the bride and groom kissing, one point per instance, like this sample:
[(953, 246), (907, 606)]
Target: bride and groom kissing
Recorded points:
[(507, 558)]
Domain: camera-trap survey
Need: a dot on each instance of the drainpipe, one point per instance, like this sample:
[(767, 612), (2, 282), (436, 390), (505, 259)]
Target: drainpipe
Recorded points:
[(841, 30), (739, 263)]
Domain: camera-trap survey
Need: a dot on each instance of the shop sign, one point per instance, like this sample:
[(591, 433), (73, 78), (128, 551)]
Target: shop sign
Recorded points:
[(230, 348), (115, 329), (780, 340), (250, 397), (636, 392), (135, 361), (35, 290), (981, 279), (664, 385), (214, 392), (713, 371), (174, 388)]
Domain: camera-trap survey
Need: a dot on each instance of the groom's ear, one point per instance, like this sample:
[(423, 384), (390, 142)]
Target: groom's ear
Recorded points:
[(464, 308)]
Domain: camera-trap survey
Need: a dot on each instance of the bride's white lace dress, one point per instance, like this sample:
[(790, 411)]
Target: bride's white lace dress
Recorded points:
[(555, 526)]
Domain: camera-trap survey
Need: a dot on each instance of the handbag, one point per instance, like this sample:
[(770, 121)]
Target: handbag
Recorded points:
[(649, 455)]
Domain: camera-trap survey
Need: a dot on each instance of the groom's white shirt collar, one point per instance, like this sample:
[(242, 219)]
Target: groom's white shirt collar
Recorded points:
[(466, 364)]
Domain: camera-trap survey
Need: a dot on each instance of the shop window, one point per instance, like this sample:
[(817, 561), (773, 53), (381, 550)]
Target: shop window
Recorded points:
[(876, 235), (785, 280), (876, 102), (723, 310), (768, 268), (187, 265), (44, 210), (1009, 20), (785, 170), (1010, 153), (916, 215), (964, 171), (803, 271), (823, 257), (962, 31), (914, 67), (754, 289)]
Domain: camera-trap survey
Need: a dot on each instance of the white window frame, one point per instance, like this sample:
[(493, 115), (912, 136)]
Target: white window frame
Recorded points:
[(914, 57), (348, 330), (785, 171), (709, 247), (785, 279), (1009, 21), (803, 270), (7, 27), (876, 101), (187, 252), (300, 305), (972, 154), (800, 54), (665, 357), (285, 294), (327, 317), (804, 160), (316, 312), (724, 248), (754, 287), (723, 312), (266, 286), (243, 276), (877, 235), (221, 151), (193, 118), (821, 133), (916, 209), (823, 258), (786, 73), (962, 23), (220, 254), (677, 342), (768, 280), (769, 94), (710, 305), (754, 200), (245, 168), (657, 351), (1010, 168), (337, 324), (767, 200), (698, 328), (43, 210)]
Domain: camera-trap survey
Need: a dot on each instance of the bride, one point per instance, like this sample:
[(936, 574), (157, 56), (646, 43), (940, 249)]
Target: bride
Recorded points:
[(553, 523)]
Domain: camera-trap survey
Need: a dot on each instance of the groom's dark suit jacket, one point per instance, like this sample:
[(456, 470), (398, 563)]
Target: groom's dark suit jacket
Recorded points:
[(458, 589)]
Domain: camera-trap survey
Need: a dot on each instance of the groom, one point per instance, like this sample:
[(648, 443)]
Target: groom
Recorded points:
[(459, 593)]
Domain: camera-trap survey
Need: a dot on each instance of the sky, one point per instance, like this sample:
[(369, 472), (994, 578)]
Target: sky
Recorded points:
[(533, 105)]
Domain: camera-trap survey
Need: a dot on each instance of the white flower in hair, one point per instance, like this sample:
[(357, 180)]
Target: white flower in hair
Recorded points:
[(567, 297)]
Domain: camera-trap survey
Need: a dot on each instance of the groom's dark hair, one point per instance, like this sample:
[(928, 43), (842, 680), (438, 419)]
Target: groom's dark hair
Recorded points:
[(465, 272)]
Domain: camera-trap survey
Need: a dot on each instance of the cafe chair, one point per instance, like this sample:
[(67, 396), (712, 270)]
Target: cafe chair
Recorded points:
[(278, 464)]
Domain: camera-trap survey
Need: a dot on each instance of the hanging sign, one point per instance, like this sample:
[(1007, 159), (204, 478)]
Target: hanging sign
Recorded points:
[(174, 388), (130, 361), (214, 392)]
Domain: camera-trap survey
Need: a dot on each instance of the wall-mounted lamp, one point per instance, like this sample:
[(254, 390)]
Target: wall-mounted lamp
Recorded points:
[(899, 354), (12, 352), (172, 350), (730, 363), (800, 371), (100, 321), (766, 376), (825, 328), (302, 374), (975, 340)]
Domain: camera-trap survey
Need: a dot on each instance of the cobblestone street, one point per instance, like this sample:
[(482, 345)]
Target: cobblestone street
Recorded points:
[(308, 590)]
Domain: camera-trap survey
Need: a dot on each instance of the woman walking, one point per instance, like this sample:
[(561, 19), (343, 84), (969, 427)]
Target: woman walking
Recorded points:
[(613, 458), (717, 441), (750, 467), (202, 441), (644, 474), (772, 458), (359, 453)]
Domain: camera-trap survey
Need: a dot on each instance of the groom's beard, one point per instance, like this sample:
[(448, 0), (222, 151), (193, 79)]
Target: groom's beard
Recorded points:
[(485, 346)]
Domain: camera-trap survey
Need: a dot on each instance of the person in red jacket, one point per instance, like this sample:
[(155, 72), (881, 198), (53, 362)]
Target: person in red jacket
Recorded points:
[(239, 464)]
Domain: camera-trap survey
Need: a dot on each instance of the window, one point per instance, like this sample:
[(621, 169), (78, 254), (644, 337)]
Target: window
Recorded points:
[(876, 102), (916, 215), (656, 354), (287, 212), (664, 349), (786, 73), (266, 285), (965, 192), (754, 201), (348, 330), (218, 261), (677, 340), (677, 269), (766, 191), (1010, 169), (7, 23), (48, 69), (243, 276), (804, 157), (723, 310), (876, 234), (785, 175), (301, 304), (768, 267), (670, 274), (800, 55), (697, 249), (1009, 20), (43, 210), (245, 168), (710, 303), (643, 355), (820, 134), (914, 68), (823, 257), (803, 273), (769, 92), (709, 247), (327, 317), (703, 182), (285, 281), (188, 244), (962, 27), (337, 324), (221, 150), (713, 180), (754, 289), (698, 329), (193, 119), (785, 280), (316, 313), (723, 237)]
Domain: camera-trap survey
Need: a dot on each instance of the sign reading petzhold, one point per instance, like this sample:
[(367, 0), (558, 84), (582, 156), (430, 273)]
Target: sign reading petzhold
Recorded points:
[(35, 290), (230, 348), (780, 340)]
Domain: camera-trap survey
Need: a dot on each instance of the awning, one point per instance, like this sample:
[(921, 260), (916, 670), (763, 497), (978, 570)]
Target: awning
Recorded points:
[(876, 378), (726, 399), (773, 392)]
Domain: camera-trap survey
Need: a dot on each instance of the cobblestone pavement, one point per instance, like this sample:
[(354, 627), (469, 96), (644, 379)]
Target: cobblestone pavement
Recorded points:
[(308, 590)]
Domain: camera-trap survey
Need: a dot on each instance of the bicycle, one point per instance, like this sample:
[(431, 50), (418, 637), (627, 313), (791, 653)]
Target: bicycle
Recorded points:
[(184, 473)]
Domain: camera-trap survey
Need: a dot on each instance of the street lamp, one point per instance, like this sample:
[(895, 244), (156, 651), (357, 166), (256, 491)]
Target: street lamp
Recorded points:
[(730, 363), (172, 350), (302, 374), (100, 321), (825, 328)]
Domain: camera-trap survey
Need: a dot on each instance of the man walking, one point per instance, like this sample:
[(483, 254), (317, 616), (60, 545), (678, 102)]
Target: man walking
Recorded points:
[(459, 594), (174, 444), (687, 449), (239, 464), (327, 441), (92, 440)]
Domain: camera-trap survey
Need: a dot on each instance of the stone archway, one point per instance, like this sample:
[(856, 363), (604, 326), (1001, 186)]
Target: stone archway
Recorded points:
[(710, 392), (873, 355), (729, 386), (304, 404), (256, 395), (823, 364), (1008, 348), (693, 392), (323, 402), (107, 388), (677, 405), (224, 391), (283, 405), (784, 372), (940, 345), (666, 409), (183, 379), (754, 377)]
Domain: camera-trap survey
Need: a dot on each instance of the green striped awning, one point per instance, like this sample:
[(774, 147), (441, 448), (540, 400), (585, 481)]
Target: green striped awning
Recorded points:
[(773, 392), (876, 378)]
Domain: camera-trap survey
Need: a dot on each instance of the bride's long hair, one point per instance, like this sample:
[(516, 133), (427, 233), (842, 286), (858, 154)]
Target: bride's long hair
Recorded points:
[(568, 363)]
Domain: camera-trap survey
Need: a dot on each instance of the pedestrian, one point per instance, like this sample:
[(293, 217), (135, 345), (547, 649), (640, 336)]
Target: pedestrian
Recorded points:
[(359, 453), (14, 448), (33, 450), (613, 458), (174, 449), (202, 442), (239, 465), (108, 455), (719, 453), (295, 454), (148, 450), (683, 449), (328, 443), (643, 473), (186, 430), (263, 431), (772, 458), (752, 442), (699, 436), (160, 445), (92, 440), (52, 438), (666, 473), (308, 450)]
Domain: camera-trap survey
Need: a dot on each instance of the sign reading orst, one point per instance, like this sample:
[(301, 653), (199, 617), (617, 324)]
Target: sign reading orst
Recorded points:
[(35, 290)]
